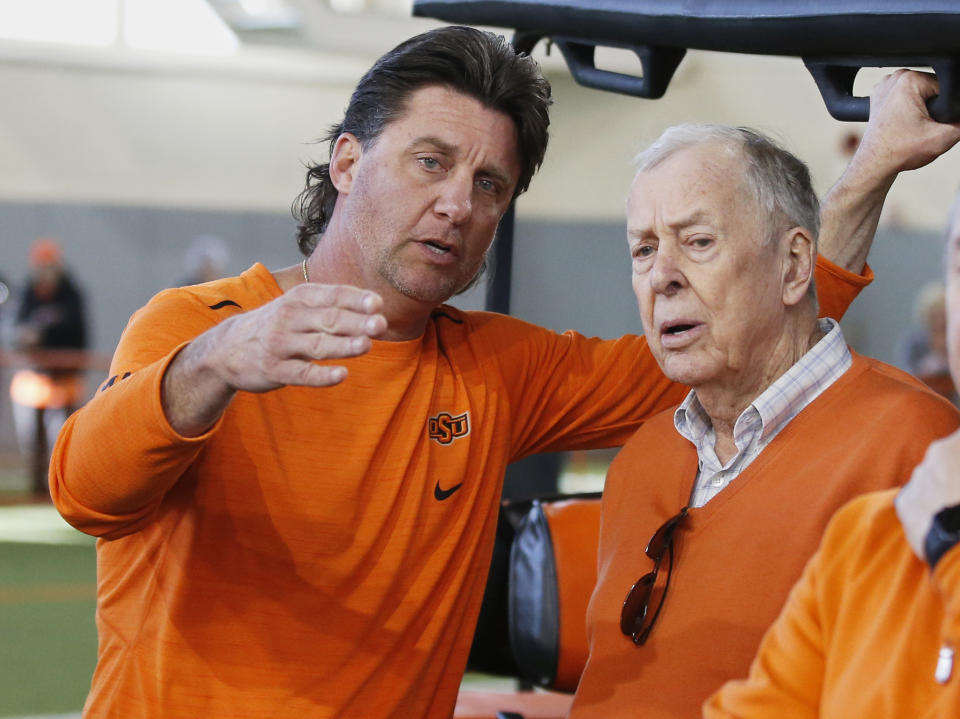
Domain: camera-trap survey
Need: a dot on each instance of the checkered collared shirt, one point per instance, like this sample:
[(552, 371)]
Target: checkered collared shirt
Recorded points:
[(769, 413)]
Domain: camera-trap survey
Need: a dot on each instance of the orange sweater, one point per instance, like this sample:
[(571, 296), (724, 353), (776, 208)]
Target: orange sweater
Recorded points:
[(737, 557), (323, 552), (860, 633)]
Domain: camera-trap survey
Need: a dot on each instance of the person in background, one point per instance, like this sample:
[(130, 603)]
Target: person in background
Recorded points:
[(925, 351), (4, 291), (872, 628), (50, 316), (206, 260), (5, 325)]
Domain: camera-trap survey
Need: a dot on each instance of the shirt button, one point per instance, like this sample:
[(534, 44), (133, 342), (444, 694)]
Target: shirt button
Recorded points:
[(944, 665), (717, 481)]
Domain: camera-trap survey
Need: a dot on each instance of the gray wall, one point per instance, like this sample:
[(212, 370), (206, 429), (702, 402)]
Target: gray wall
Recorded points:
[(577, 276), (566, 275), (121, 256), (878, 322), (574, 275)]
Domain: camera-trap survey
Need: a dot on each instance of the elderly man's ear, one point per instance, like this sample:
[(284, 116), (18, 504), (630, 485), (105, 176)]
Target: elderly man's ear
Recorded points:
[(799, 262)]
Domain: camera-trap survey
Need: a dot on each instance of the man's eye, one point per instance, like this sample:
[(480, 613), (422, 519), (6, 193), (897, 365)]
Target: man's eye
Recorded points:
[(429, 163), (487, 185), (701, 242), (643, 251)]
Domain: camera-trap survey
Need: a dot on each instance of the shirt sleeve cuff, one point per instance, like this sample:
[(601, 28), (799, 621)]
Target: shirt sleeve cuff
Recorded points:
[(161, 417), (837, 287), (858, 280)]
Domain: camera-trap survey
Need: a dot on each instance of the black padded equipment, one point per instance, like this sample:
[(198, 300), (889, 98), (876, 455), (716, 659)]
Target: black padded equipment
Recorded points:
[(494, 642), (835, 38), (533, 607)]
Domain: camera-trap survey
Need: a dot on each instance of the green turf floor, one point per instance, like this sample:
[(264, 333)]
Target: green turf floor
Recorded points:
[(47, 636)]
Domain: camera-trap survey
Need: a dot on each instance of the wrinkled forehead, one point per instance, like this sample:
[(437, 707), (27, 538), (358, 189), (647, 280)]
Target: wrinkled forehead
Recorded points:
[(706, 178), (711, 164)]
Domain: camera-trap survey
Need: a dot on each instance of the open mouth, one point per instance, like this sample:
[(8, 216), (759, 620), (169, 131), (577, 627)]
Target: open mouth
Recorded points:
[(678, 334), (436, 247)]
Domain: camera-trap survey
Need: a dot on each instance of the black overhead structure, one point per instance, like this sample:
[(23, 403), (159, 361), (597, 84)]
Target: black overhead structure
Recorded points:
[(835, 38)]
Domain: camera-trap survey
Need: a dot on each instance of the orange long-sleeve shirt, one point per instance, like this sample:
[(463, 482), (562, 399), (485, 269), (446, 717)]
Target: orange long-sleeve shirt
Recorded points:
[(861, 632), (323, 552), (737, 557)]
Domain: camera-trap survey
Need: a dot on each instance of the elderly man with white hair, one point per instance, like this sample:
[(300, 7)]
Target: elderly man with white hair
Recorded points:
[(783, 425)]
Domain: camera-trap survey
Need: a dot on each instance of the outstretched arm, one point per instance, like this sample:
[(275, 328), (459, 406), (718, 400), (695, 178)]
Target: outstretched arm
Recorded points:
[(267, 348), (175, 371), (899, 136)]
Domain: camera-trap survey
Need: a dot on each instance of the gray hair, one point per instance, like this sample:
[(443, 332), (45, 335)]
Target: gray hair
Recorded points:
[(780, 182)]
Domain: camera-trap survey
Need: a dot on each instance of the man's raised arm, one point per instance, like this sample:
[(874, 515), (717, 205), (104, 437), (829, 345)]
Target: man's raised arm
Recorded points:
[(900, 136), (175, 374), (267, 348)]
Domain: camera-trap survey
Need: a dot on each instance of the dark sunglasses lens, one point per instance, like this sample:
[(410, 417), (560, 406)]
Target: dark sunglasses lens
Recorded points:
[(635, 605), (660, 539)]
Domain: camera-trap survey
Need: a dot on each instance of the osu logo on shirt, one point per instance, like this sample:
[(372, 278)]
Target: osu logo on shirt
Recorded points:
[(444, 428)]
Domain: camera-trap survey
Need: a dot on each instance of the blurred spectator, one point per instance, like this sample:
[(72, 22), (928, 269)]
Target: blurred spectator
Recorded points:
[(49, 316), (924, 353), (4, 296), (206, 260)]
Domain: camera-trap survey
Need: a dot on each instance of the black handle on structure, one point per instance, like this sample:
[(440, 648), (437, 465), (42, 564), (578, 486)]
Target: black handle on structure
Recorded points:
[(835, 76), (524, 41), (658, 65)]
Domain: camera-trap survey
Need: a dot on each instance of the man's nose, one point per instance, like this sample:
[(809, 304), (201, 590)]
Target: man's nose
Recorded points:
[(456, 199), (666, 275)]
